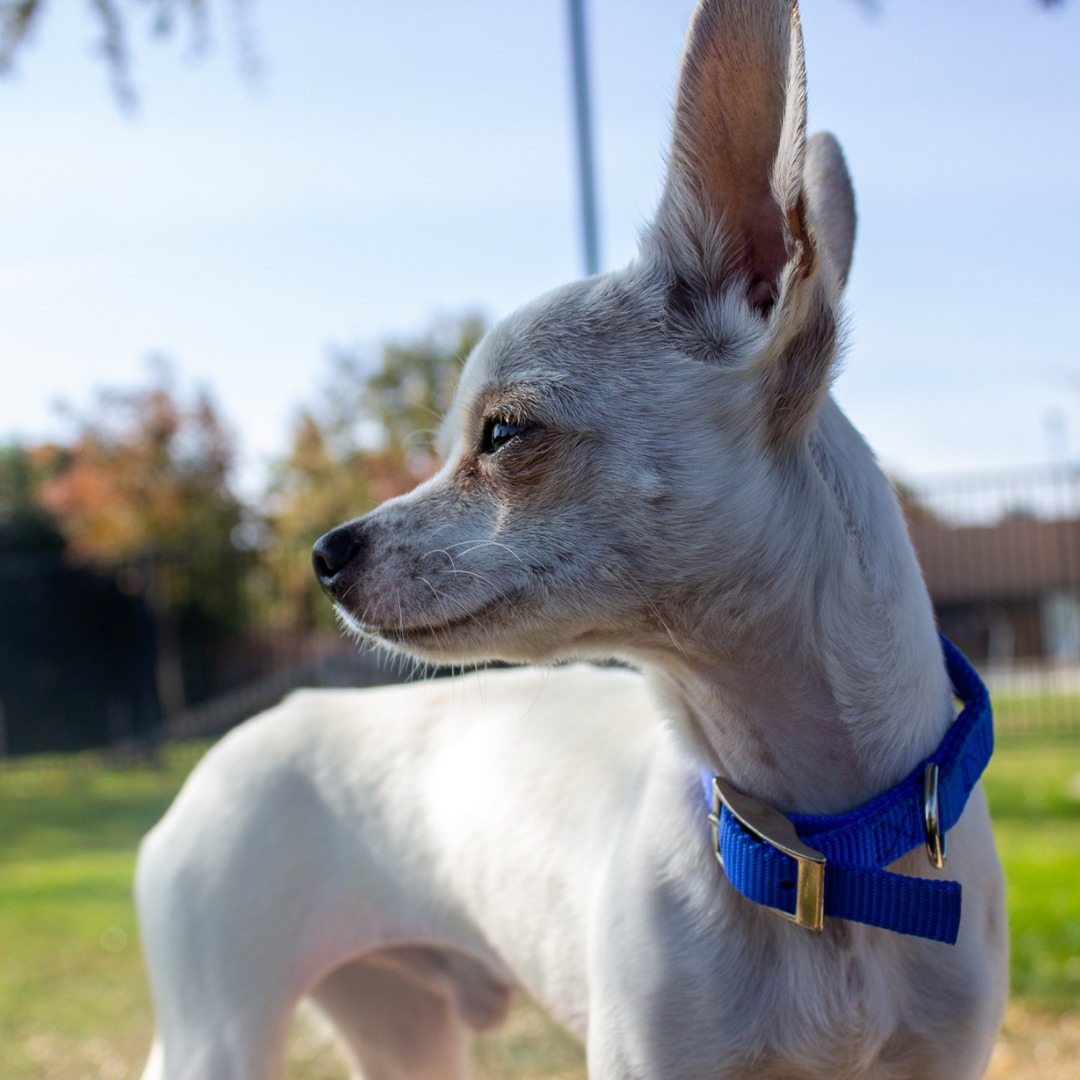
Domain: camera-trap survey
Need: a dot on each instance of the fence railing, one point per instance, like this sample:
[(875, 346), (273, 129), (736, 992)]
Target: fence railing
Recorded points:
[(108, 656)]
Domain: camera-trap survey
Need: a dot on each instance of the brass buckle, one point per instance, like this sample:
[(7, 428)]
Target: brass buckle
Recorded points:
[(773, 828), (935, 838)]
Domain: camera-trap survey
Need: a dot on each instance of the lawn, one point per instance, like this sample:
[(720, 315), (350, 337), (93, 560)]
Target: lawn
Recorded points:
[(73, 998)]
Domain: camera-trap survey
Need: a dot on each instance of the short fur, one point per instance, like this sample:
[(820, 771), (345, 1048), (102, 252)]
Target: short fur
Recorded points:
[(645, 465)]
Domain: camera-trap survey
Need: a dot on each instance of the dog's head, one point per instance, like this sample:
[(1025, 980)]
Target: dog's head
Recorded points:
[(617, 456)]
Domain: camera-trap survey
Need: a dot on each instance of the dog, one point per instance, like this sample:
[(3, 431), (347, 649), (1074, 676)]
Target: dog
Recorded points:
[(645, 465)]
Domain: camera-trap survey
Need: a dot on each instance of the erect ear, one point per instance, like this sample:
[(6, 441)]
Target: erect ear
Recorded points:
[(734, 219), (832, 201), (732, 208)]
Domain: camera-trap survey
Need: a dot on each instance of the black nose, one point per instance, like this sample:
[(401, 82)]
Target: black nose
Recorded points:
[(332, 553)]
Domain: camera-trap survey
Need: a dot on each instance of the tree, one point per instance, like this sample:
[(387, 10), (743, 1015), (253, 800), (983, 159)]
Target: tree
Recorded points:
[(368, 436), (26, 527), (413, 386), (145, 472), (371, 433), (145, 486), (20, 19)]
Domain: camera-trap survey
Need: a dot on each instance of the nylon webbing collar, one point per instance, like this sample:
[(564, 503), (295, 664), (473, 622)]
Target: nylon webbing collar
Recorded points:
[(833, 864)]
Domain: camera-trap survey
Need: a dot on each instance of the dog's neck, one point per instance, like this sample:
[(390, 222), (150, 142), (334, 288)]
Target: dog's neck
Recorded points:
[(837, 689)]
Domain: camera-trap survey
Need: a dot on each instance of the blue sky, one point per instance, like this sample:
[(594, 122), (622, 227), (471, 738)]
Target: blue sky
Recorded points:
[(397, 161)]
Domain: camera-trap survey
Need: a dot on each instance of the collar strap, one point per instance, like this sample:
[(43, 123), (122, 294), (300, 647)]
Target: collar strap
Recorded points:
[(809, 866)]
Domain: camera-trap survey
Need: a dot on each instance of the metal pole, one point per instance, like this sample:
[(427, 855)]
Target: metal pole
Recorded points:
[(586, 176)]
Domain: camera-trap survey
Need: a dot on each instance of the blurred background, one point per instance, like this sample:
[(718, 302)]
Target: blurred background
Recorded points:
[(245, 246)]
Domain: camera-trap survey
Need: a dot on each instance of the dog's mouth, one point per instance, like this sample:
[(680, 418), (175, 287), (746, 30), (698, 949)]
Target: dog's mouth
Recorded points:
[(441, 635)]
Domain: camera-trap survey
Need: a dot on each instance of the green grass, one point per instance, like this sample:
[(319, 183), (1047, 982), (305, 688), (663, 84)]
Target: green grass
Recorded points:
[(73, 997), (1033, 784)]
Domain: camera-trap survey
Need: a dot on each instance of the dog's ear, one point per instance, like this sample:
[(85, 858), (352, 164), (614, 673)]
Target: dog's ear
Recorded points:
[(733, 206), (735, 217), (832, 201)]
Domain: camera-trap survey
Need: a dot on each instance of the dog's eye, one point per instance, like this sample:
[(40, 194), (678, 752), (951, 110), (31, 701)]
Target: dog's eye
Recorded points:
[(497, 433)]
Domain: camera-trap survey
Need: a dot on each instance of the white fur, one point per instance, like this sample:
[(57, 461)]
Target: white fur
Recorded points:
[(677, 490)]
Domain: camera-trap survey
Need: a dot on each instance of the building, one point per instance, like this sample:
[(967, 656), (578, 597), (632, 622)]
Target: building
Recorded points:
[(1008, 591)]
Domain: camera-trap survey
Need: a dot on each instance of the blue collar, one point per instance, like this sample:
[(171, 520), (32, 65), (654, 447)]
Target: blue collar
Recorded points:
[(806, 866)]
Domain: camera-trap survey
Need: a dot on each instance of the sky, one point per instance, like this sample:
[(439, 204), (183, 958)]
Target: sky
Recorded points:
[(391, 163)]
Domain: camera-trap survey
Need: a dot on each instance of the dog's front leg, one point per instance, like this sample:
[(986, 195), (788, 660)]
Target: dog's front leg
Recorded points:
[(298, 860), (220, 973)]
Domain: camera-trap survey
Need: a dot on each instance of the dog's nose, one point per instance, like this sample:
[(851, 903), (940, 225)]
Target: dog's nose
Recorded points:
[(332, 553)]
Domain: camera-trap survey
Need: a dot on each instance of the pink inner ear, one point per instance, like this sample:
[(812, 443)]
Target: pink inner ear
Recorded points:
[(739, 120), (766, 253), (761, 294)]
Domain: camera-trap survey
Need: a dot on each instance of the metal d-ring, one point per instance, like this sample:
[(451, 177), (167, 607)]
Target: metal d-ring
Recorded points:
[(935, 838)]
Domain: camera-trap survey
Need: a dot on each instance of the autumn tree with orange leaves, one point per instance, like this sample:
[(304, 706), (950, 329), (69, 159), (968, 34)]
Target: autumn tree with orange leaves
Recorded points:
[(145, 471), (144, 487)]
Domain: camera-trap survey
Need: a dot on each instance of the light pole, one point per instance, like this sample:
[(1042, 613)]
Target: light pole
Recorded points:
[(583, 123)]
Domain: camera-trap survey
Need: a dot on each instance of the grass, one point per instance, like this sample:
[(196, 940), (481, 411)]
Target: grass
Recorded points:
[(1033, 784), (1034, 788), (73, 997)]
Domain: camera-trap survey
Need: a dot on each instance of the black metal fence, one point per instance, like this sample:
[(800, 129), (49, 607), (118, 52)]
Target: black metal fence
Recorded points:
[(124, 656), (121, 657)]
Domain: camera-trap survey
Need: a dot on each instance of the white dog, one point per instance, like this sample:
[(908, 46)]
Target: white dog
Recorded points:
[(644, 465)]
